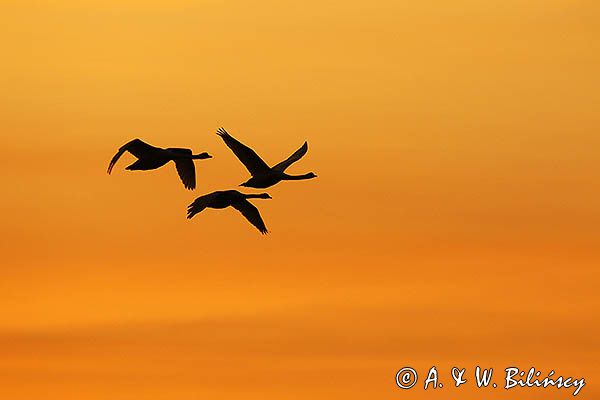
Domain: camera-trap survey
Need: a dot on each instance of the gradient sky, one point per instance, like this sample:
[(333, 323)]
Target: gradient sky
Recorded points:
[(455, 220)]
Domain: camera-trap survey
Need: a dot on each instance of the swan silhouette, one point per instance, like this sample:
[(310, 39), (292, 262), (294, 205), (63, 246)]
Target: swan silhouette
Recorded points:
[(263, 176), (235, 199), (150, 157)]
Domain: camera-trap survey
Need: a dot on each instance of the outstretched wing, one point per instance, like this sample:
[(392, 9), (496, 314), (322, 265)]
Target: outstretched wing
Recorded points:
[(185, 168), (136, 147), (253, 163), (298, 154), (252, 215), (201, 203)]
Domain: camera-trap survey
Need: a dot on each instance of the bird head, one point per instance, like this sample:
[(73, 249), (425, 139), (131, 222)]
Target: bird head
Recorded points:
[(202, 156)]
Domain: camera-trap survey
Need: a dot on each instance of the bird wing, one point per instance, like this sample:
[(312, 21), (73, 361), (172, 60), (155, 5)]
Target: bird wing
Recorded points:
[(136, 147), (252, 215), (187, 172), (185, 168), (201, 203), (253, 163), (298, 154)]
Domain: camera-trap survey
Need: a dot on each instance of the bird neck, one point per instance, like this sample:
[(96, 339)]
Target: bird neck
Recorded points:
[(298, 177), (257, 196)]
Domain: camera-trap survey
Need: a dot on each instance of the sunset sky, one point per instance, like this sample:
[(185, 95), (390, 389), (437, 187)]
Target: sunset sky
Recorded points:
[(455, 220)]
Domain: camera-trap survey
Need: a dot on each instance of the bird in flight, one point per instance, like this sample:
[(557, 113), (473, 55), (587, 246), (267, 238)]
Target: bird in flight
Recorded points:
[(263, 176), (150, 157), (235, 199)]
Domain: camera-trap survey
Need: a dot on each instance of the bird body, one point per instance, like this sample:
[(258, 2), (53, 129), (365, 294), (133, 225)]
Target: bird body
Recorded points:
[(263, 176), (150, 157), (231, 198), (148, 163)]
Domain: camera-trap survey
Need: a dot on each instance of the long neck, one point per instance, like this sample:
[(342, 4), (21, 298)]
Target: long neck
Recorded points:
[(298, 177), (256, 196)]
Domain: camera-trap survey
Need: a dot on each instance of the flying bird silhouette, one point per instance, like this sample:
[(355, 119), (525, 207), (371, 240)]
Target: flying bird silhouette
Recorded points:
[(150, 157), (263, 176), (235, 199)]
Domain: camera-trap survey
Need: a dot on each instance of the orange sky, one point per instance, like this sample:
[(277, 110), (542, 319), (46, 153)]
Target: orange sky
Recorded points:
[(455, 220)]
